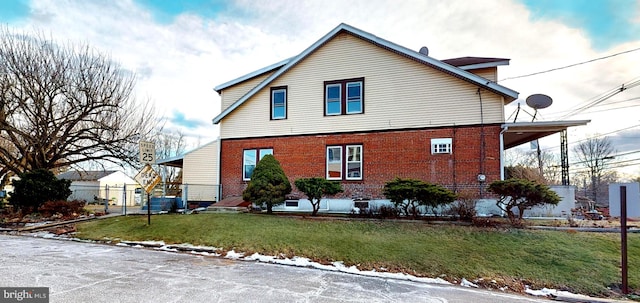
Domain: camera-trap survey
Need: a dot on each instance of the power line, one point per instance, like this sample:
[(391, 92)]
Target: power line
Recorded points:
[(599, 99), (596, 136), (571, 65), (602, 105)]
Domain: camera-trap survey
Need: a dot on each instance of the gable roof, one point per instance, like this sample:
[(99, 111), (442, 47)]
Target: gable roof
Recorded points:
[(87, 175), (286, 65), (248, 76)]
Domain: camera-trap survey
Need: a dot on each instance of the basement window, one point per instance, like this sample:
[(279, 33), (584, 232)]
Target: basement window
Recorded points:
[(441, 146), (291, 203)]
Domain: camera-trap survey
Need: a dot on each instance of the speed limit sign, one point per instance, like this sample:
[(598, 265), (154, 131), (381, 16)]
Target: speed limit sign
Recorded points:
[(147, 152)]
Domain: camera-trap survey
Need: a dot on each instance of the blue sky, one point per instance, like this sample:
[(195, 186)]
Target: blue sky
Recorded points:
[(13, 10), (607, 22), (165, 10)]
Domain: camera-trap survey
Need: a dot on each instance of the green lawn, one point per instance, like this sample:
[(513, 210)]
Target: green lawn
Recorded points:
[(580, 262)]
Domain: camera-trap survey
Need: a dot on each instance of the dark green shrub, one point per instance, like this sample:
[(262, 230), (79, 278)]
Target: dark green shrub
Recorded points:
[(521, 194), (36, 187), (269, 185), (316, 188), (408, 194)]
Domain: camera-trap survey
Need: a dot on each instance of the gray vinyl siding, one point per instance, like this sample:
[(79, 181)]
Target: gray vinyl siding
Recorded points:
[(398, 93)]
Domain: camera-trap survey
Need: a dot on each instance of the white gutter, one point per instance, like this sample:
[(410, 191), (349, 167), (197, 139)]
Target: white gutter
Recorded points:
[(219, 181), (504, 129)]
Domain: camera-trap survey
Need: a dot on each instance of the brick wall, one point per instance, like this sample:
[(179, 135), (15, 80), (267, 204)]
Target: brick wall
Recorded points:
[(386, 155)]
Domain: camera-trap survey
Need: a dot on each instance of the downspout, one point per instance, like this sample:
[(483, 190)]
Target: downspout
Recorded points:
[(504, 129), (481, 173), (455, 179), (219, 170)]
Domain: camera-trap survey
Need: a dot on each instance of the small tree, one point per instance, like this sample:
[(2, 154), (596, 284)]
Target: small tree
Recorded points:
[(408, 194), (523, 194), (36, 187), (316, 188), (269, 185)]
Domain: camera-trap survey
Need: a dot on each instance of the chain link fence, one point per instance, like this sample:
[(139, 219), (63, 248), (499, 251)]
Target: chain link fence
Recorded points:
[(195, 195)]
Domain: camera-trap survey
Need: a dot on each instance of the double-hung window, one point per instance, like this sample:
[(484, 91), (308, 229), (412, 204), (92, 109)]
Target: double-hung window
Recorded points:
[(344, 97), (250, 159), (344, 162), (278, 103)]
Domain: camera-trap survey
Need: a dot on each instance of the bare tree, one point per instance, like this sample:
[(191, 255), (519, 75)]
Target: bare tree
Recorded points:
[(65, 104), (170, 145), (594, 154), (526, 165)]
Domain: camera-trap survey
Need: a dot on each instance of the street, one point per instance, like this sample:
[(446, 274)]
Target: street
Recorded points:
[(84, 272)]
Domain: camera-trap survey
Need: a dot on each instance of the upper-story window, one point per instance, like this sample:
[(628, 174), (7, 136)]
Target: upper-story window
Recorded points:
[(278, 103), (344, 97), (441, 146), (250, 158)]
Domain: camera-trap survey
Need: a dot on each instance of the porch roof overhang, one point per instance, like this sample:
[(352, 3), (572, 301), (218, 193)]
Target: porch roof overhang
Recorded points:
[(173, 161), (517, 133)]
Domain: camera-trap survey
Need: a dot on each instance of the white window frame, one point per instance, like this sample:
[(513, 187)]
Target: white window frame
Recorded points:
[(259, 154), (273, 104), (441, 146), (346, 167), (341, 162), (359, 83), (338, 100), (344, 161)]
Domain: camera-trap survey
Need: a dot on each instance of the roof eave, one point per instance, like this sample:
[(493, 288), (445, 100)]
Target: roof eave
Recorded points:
[(250, 75), (483, 65)]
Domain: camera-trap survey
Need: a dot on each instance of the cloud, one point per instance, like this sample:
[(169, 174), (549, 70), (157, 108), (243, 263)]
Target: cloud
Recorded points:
[(179, 58), (179, 119)]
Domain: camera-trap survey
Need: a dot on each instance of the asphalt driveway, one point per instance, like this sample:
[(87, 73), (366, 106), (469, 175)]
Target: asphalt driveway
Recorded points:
[(82, 272)]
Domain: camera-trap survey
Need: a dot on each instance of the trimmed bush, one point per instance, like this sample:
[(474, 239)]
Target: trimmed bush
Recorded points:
[(269, 185), (408, 194)]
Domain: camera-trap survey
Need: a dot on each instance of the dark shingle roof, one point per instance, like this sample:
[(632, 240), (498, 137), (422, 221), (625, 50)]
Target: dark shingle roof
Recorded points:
[(465, 61), (86, 175)]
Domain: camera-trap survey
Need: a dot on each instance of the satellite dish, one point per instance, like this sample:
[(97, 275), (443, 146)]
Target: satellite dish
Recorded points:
[(424, 50), (539, 101)]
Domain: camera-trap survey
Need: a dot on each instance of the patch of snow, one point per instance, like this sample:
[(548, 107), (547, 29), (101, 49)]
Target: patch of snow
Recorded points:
[(467, 283), (37, 223), (122, 244), (233, 255), (166, 248), (45, 235), (549, 292), (335, 266), (204, 253), (188, 246), (146, 243)]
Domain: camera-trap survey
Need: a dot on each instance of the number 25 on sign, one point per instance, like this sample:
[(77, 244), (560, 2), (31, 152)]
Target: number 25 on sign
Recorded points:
[(147, 152)]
